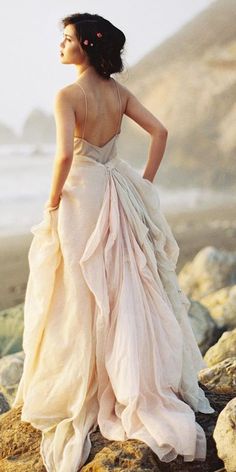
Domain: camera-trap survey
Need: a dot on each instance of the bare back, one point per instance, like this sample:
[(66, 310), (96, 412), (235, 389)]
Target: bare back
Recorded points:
[(99, 119), (92, 110)]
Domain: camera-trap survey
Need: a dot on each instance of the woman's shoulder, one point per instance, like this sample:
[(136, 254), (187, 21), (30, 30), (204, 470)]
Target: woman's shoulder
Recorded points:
[(125, 92), (124, 89), (69, 94), (73, 91)]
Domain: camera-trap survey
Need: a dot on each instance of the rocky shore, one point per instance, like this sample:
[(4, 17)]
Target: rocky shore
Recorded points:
[(209, 281)]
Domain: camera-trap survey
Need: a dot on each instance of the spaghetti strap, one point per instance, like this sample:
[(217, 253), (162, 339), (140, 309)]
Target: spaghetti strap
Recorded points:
[(118, 92), (86, 108)]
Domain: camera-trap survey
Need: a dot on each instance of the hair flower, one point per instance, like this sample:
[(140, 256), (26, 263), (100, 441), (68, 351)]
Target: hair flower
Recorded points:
[(99, 35), (86, 42)]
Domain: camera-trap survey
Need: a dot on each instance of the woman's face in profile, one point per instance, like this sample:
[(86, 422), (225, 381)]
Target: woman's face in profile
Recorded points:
[(70, 50)]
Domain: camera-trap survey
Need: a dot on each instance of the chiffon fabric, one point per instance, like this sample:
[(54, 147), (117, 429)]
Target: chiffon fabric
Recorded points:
[(107, 338)]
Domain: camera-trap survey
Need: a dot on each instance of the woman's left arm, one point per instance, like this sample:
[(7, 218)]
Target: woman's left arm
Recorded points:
[(65, 124)]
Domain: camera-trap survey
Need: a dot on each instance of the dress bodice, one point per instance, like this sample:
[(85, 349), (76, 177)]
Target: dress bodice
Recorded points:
[(102, 154)]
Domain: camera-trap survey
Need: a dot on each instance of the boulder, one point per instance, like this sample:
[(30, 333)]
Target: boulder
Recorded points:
[(11, 368), (225, 437), (4, 405), (210, 270), (204, 328), (224, 348), (220, 378), (11, 329), (222, 306)]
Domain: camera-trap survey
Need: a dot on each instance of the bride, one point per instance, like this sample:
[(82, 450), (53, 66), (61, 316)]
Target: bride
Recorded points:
[(107, 338)]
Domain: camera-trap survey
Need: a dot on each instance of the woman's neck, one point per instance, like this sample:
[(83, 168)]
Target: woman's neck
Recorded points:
[(87, 71)]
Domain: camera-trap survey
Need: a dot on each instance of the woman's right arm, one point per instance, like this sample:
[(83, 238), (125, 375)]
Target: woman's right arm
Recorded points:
[(141, 115)]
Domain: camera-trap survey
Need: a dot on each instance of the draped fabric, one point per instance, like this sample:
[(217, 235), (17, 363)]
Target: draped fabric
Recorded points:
[(107, 338)]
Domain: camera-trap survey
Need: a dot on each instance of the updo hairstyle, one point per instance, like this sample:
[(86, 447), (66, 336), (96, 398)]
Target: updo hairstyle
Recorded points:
[(100, 39)]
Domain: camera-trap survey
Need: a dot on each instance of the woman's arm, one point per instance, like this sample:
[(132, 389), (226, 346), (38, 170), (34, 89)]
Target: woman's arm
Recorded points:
[(65, 125), (141, 115), (156, 152)]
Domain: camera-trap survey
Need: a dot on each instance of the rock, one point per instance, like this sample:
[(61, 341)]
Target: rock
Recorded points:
[(222, 306), (20, 447), (224, 348), (11, 368), (210, 270), (38, 128), (4, 405), (11, 330), (203, 326), (19, 444), (221, 378), (130, 455), (225, 437)]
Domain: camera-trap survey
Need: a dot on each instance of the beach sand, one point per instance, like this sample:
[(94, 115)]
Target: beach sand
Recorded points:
[(193, 231)]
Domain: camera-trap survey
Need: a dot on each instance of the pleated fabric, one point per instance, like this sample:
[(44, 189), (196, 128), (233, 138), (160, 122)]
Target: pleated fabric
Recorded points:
[(107, 338)]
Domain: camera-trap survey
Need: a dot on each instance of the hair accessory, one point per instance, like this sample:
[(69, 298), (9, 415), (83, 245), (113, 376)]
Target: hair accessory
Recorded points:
[(86, 41)]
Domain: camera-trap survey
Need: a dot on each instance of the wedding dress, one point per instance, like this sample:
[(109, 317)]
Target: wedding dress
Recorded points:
[(107, 338)]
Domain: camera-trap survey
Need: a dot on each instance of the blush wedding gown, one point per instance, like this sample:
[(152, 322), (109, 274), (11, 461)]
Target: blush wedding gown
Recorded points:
[(107, 339)]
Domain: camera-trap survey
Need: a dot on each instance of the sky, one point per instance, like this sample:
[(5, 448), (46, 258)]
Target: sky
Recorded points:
[(31, 71)]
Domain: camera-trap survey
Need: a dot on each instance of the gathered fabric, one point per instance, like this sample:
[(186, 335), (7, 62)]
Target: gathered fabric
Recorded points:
[(107, 338)]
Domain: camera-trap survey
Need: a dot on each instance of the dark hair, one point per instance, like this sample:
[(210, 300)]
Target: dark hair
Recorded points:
[(105, 53)]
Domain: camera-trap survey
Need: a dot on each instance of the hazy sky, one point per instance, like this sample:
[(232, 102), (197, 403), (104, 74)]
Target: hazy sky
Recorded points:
[(31, 71)]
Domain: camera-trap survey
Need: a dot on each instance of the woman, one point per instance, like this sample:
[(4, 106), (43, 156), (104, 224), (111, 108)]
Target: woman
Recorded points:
[(107, 339)]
